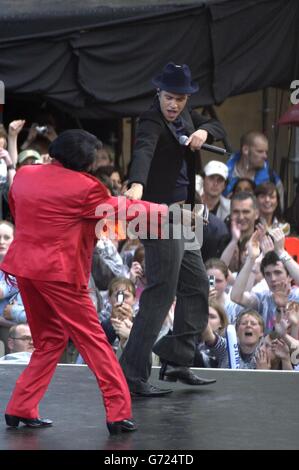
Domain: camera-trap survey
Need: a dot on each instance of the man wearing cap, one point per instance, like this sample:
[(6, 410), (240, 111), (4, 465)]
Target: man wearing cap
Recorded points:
[(28, 157), (215, 176), (164, 171)]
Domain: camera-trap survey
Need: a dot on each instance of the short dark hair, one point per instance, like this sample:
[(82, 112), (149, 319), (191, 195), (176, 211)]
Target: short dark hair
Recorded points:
[(270, 258), (249, 138), (268, 188), (75, 149), (240, 180), (243, 195)]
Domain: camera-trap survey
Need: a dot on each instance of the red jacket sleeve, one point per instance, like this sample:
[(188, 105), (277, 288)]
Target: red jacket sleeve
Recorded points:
[(142, 215)]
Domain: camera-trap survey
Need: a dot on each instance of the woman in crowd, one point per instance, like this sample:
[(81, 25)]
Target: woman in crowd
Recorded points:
[(250, 330), (269, 207), (220, 274), (244, 184), (218, 323)]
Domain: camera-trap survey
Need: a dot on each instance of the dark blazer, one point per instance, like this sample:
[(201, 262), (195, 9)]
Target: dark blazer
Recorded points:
[(157, 154)]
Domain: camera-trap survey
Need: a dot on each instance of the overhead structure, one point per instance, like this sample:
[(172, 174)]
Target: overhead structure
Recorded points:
[(95, 59)]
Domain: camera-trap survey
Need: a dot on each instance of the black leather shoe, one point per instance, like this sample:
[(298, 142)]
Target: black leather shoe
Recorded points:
[(117, 427), (14, 421), (182, 374), (150, 390)]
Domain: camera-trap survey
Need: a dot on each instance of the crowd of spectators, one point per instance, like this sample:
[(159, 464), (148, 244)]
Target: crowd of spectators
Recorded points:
[(254, 277)]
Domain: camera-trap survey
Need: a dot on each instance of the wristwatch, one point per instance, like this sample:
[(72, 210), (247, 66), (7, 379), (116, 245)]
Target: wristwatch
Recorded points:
[(284, 257)]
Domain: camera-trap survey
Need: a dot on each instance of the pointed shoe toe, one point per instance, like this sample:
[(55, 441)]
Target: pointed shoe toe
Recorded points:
[(117, 427), (13, 421), (182, 374)]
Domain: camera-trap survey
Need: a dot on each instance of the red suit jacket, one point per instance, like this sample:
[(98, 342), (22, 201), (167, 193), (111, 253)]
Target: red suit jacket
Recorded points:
[(55, 215)]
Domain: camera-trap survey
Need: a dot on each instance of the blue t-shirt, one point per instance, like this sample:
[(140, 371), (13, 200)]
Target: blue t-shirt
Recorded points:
[(267, 307)]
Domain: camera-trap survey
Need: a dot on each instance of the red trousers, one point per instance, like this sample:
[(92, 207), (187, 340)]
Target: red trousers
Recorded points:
[(56, 311)]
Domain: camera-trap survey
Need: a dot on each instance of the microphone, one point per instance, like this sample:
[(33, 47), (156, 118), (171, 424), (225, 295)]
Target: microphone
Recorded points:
[(210, 148)]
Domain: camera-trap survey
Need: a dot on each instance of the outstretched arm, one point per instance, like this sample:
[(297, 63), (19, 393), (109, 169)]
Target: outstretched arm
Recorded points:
[(238, 293), (290, 264)]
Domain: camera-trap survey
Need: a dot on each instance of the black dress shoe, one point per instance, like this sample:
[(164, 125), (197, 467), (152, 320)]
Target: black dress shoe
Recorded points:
[(14, 421), (117, 427), (150, 390), (182, 374)]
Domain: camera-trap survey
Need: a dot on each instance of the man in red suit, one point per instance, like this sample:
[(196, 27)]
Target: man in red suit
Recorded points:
[(56, 209)]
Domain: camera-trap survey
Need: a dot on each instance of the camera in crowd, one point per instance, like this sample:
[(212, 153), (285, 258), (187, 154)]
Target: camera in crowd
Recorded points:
[(120, 297), (212, 282)]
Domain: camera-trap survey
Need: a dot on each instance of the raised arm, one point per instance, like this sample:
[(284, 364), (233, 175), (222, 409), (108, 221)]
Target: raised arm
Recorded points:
[(14, 129), (238, 293), (290, 264), (228, 252)]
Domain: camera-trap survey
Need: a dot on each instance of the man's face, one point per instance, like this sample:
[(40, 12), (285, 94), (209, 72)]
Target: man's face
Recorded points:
[(22, 340), (245, 215), (171, 104), (276, 276), (213, 185), (256, 153)]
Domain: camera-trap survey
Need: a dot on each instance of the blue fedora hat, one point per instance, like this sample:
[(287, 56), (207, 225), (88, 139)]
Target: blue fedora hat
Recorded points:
[(176, 79)]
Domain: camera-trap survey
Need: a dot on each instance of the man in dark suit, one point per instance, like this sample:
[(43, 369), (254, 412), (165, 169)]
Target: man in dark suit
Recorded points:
[(164, 171)]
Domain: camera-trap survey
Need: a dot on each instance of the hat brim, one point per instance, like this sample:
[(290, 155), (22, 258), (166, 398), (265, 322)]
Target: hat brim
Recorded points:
[(158, 83)]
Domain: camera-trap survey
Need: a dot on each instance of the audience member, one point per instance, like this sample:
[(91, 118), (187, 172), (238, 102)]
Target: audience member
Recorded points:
[(278, 268), (218, 323), (214, 181), (243, 185), (217, 268), (244, 214), (7, 170), (105, 157), (250, 330), (28, 157), (20, 344), (251, 162), (273, 354), (269, 208), (7, 290), (117, 319)]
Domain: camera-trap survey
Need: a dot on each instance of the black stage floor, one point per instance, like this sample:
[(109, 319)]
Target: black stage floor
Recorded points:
[(243, 410)]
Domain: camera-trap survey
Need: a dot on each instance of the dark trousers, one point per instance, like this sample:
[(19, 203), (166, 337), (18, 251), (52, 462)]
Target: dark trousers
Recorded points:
[(171, 271)]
